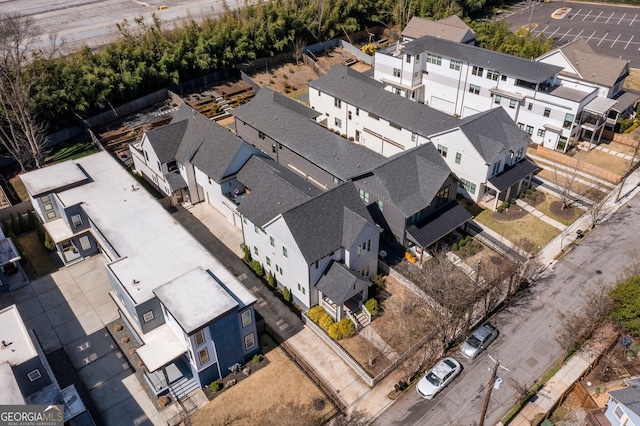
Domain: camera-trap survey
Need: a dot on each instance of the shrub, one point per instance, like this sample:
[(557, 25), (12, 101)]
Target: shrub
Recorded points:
[(257, 268), (505, 204), (379, 280), (48, 242), (632, 127), (285, 76), (33, 221), (334, 331), (214, 386), (247, 254), (257, 358), (291, 70), (372, 306), (500, 209), (326, 321), (287, 295), (15, 225), (370, 48), (271, 82), (22, 222), (315, 313), (271, 280), (347, 328), (512, 201), (454, 247)]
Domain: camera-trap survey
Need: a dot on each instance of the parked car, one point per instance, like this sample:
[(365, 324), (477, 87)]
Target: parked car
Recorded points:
[(478, 340), (438, 377)]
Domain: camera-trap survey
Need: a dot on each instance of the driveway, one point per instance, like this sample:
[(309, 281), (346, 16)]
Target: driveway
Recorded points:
[(68, 311)]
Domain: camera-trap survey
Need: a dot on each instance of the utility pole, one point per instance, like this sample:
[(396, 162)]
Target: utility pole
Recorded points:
[(487, 397)]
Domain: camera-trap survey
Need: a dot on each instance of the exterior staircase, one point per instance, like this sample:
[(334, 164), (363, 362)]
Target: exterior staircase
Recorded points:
[(183, 387), (361, 318)]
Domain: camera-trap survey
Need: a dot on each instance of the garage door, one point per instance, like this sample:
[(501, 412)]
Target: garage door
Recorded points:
[(469, 111), (442, 105)]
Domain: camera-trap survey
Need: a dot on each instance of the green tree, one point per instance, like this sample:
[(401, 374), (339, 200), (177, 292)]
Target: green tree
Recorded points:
[(626, 298)]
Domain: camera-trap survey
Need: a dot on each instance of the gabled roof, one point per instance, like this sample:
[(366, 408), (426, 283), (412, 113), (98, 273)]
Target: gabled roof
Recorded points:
[(274, 190), (493, 131), (629, 396), (328, 221), (510, 65), (588, 65), (369, 95), (204, 143), (451, 28), (290, 123), (166, 139), (411, 179), (337, 282)]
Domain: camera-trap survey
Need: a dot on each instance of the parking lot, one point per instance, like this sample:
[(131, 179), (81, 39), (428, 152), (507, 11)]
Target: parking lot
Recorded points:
[(608, 29)]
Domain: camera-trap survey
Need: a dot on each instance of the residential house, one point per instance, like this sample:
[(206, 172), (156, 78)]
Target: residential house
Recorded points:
[(412, 198), (450, 28), (623, 408), (193, 318), (286, 131), (193, 159), (463, 80), (25, 374)]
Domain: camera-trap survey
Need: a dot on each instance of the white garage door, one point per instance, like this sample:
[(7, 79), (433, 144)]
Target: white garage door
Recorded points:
[(442, 105)]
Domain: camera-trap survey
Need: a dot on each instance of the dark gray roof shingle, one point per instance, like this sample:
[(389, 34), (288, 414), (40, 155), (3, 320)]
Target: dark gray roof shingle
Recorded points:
[(289, 123), (166, 139), (369, 95), (510, 65), (337, 282), (629, 396)]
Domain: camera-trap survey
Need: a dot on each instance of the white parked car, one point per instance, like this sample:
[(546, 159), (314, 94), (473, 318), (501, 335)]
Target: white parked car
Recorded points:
[(478, 340), (438, 377)]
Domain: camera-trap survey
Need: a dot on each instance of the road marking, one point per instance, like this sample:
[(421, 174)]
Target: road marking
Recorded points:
[(566, 34), (609, 18), (552, 34), (585, 16), (578, 34), (623, 15), (614, 42), (603, 38), (598, 16), (627, 45), (590, 37), (576, 14), (634, 18)]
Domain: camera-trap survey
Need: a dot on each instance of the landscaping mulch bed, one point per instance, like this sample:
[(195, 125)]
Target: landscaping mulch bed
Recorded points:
[(566, 213), (514, 212)]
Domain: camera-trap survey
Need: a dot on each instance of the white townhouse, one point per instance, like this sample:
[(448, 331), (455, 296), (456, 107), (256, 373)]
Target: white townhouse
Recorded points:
[(194, 318), (463, 80)]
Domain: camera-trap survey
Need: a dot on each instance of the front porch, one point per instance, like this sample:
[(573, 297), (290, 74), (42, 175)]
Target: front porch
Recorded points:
[(342, 294), (176, 378), (509, 183)]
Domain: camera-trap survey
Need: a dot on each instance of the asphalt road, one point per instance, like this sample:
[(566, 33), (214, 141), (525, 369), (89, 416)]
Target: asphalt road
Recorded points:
[(612, 30), (527, 343)]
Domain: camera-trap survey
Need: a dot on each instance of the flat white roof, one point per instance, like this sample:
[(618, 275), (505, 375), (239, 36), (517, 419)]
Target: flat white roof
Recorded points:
[(161, 346), (10, 393), (58, 230), (16, 346), (205, 297), (153, 248), (48, 179)]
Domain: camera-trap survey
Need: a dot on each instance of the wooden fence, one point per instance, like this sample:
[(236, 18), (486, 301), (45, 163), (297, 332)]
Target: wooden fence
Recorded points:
[(571, 162)]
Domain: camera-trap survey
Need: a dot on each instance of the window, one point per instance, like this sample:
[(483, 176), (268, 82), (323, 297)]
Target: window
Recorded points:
[(249, 341), (547, 112), (496, 168), (503, 77), (521, 125), (458, 157), (349, 115), (357, 135), (618, 411), (244, 220), (284, 251), (455, 65), (434, 59), (159, 166), (519, 154), (497, 99), (272, 241), (261, 135), (148, 316), (246, 317), (338, 122), (48, 207), (357, 111), (414, 137), (209, 180), (492, 75), (468, 186), (85, 243), (364, 195), (512, 103), (337, 103), (203, 355), (34, 375), (530, 130), (568, 120), (396, 72), (76, 219), (442, 196), (146, 156), (477, 71), (397, 91), (273, 149), (51, 215), (364, 271), (380, 204), (408, 59), (530, 106), (442, 150), (255, 250), (364, 247), (303, 291), (199, 337), (474, 89), (279, 269), (541, 132), (255, 228), (268, 261)]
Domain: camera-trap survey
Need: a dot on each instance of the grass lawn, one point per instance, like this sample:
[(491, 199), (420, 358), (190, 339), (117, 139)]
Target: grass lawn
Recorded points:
[(18, 186), (577, 187), (71, 150), (633, 80), (538, 233), (37, 254), (604, 160), (545, 207)]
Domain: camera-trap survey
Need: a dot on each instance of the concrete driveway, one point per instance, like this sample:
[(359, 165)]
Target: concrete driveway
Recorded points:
[(69, 309)]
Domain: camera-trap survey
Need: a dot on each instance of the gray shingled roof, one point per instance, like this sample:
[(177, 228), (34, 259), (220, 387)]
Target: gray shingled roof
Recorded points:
[(412, 178), (337, 282), (510, 65), (369, 95), (175, 180), (492, 132), (452, 28), (274, 190), (318, 226), (205, 144), (166, 139), (588, 63), (629, 396), (624, 101), (289, 123), (569, 93)]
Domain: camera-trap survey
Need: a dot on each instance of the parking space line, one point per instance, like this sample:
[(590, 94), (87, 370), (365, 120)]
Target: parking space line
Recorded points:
[(566, 34), (603, 38), (590, 37), (614, 42), (552, 34), (597, 17), (623, 15), (627, 45), (634, 18), (578, 34), (609, 18), (576, 14), (585, 16)]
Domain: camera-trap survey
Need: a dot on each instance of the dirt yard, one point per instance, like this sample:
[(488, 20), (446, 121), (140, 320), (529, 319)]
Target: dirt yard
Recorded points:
[(277, 384)]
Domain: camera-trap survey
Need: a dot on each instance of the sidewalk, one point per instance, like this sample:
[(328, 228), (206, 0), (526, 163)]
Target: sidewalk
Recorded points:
[(537, 213)]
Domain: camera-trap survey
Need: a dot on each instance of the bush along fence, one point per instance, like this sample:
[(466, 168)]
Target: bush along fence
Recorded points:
[(20, 224)]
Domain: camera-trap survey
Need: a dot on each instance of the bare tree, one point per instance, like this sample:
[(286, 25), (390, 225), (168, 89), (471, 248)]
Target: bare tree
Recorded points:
[(21, 69), (298, 49)]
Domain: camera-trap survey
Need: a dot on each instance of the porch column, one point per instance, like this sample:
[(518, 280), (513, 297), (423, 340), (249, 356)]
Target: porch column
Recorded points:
[(495, 201)]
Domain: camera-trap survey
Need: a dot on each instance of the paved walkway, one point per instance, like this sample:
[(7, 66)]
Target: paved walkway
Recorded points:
[(616, 153), (537, 213)]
